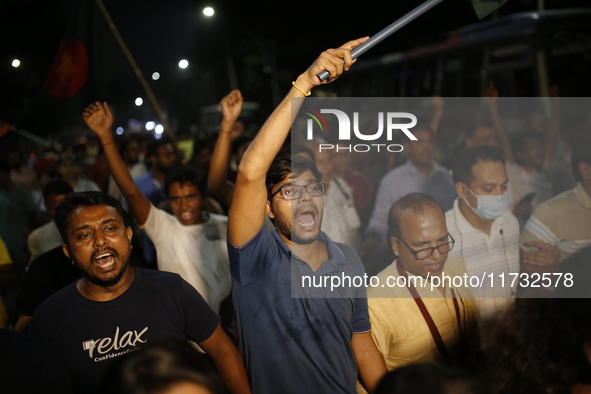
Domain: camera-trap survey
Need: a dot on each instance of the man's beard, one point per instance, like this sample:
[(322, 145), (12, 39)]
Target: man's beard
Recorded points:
[(111, 282), (284, 227), (106, 283)]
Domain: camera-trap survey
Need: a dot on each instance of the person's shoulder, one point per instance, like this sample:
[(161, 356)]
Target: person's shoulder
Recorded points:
[(564, 200), (390, 270), (36, 234), (399, 171), (58, 304), (348, 252), (152, 277)]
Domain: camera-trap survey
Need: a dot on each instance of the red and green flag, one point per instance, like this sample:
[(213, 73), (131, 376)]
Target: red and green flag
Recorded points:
[(89, 60)]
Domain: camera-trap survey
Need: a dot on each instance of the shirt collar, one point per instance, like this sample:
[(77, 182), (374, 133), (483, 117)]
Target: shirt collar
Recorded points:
[(582, 196), (410, 168)]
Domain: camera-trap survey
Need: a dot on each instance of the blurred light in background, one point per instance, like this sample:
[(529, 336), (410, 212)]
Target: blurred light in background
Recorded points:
[(16, 63), (139, 101), (183, 63), (159, 129), (156, 76), (208, 11), (119, 130), (150, 125)]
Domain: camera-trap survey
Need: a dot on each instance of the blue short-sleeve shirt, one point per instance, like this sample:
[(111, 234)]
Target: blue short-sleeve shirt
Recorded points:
[(297, 339)]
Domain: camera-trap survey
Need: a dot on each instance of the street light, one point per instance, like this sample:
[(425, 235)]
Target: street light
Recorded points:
[(208, 11), (16, 63), (139, 101), (183, 63)]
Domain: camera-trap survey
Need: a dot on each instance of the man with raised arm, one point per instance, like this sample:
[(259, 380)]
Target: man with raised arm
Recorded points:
[(190, 243), (295, 339)]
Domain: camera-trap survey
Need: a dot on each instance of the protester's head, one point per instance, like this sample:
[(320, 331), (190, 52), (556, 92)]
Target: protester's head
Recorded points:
[(539, 345), (581, 160), (185, 187), (54, 192), (481, 181), (295, 210), (341, 160), (161, 154), (97, 236), (170, 366), (422, 151), (130, 151), (68, 168), (481, 133), (202, 153), (418, 234), (16, 159), (303, 150), (427, 379), (323, 158), (529, 150)]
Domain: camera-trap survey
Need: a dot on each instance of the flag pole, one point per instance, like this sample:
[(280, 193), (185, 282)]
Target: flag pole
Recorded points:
[(137, 70), (5, 125)]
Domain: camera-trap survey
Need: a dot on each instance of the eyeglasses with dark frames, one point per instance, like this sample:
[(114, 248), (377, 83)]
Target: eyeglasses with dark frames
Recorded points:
[(293, 192), (424, 254)]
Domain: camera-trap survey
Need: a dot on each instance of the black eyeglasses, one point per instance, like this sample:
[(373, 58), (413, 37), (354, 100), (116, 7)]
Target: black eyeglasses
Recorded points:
[(428, 252), (293, 192)]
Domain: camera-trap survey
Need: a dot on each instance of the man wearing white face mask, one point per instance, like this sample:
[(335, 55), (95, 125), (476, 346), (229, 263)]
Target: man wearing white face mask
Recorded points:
[(486, 232)]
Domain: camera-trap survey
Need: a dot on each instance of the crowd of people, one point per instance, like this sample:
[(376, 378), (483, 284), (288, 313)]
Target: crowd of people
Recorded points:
[(127, 266)]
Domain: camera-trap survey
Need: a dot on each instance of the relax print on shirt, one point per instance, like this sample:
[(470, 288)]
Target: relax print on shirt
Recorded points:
[(105, 345)]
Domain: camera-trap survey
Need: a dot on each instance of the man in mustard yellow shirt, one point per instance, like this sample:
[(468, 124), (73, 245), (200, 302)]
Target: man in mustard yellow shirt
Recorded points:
[(414, 316)]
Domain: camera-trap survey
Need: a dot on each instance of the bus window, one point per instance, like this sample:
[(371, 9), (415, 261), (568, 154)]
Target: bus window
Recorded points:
[(568, 58)]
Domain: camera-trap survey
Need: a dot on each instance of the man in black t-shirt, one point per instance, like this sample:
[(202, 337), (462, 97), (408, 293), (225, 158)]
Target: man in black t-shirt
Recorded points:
[(114, 309)]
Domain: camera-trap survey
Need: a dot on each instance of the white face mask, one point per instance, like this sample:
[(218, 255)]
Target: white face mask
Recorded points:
[(489, 207)]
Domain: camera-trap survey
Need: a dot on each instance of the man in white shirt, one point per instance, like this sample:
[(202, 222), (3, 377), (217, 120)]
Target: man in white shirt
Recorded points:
[(486, 232), (47, 237)]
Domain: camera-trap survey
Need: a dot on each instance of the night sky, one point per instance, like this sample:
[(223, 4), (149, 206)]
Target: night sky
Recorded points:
[(269, 40)]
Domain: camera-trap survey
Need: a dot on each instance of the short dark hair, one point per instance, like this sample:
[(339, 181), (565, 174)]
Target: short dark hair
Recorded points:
[(56, 186), (284, 165), (413, 202), (88, 199), (160, 365), (581, 154), (297, 149), (468, 157), (153, 146), (186, 173)]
